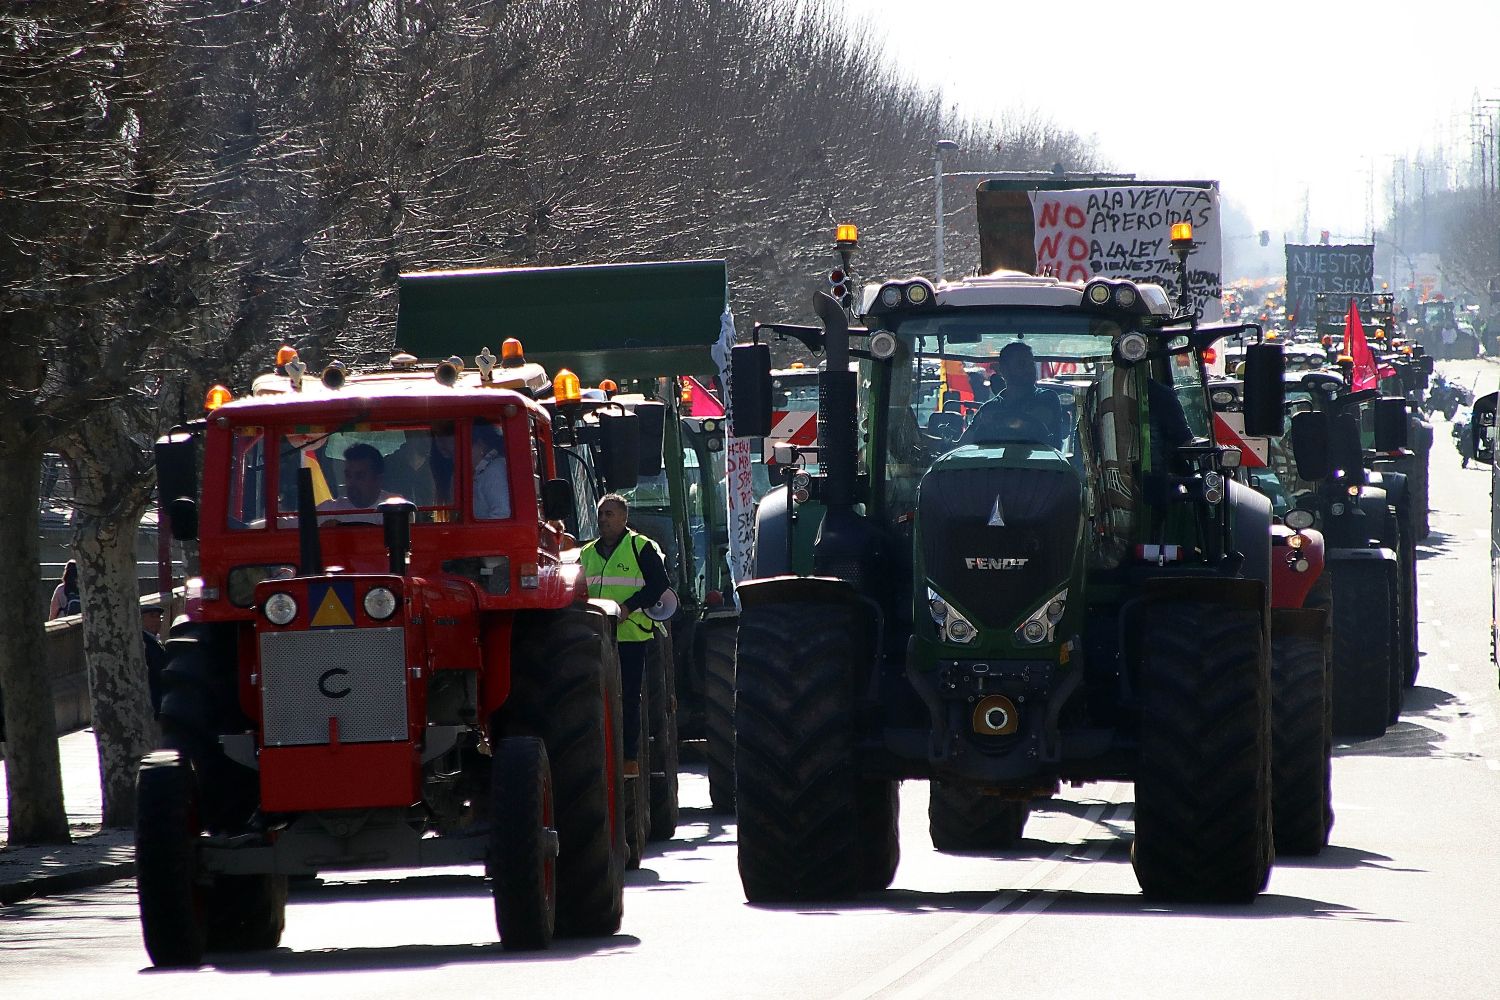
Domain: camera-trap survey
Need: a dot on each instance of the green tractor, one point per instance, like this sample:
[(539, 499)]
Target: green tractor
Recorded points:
[(1001, 606)]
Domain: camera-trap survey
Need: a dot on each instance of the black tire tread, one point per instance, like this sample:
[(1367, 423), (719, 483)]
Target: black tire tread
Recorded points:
[(565, 687), (796, 785), (718, 714), (519, 857), (1203, 795), (960, 818), (1301, 745), (173, 911), (661, 678), (1363, 658)]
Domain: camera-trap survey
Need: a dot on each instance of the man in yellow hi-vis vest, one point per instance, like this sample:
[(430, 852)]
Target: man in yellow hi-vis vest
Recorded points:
[(626, 567)]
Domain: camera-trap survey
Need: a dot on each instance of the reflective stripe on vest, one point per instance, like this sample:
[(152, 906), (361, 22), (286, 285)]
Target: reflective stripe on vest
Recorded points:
[(619, 578)]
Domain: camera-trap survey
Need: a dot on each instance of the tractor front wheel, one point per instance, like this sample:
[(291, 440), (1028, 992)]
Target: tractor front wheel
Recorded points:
[(522, 863), (718, 713), (960, 818), (170, 887), (1301, 744), (810, 827), (1203, 782)]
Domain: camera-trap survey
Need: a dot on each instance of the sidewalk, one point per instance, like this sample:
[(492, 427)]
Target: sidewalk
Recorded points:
[(93, 858)]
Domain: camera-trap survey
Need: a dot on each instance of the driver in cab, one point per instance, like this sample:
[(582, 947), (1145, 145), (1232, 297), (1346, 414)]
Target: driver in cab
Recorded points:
[(1020, 411)]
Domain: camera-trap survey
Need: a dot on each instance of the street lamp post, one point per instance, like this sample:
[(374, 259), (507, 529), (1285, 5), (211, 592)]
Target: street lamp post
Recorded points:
[(939, 148)]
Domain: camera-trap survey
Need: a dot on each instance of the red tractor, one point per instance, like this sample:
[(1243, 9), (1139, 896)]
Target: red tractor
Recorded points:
[(385, 661)]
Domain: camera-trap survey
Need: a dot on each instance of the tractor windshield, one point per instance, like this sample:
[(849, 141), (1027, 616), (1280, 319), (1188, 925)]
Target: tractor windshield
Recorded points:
[(354, 467), (1038, 379)]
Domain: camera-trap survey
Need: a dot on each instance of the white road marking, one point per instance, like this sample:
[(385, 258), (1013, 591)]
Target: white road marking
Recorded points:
[(1453, 668), (914, 959), (991, 939)]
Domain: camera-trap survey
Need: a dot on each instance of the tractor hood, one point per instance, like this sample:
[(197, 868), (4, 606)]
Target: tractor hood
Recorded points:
[(999, 528)]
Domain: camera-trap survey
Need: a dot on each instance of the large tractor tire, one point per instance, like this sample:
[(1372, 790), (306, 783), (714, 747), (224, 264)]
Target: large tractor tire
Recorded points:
[(246, 912), (1364, 648), (199, 702), (805, 815), (522, 861), (173, 898), (565, 689), (661, 685), (1301, 744), (1410, 645), (880, 834), (960, 818), (718, 713), (638, 786), (1203, 781)]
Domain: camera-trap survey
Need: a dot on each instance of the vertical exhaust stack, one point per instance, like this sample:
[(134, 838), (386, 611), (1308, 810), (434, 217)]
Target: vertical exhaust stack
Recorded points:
[(395, 517), (310, 545)]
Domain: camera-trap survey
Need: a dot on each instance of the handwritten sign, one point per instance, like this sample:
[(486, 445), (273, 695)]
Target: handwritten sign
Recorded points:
[(1346, 268), (739, 476), (1124, 232)]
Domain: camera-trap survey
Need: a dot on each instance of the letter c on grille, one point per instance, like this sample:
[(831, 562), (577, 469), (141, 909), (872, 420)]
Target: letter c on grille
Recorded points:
[(329, 675)]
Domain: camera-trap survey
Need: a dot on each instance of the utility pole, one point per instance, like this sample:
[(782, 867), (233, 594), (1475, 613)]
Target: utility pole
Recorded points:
[(939, 148)]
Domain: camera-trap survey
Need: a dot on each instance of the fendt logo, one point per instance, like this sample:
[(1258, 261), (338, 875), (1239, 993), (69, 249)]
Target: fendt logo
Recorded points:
[(985, 562)]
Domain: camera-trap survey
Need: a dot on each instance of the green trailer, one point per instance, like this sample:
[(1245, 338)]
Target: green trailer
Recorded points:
[(646, 327)]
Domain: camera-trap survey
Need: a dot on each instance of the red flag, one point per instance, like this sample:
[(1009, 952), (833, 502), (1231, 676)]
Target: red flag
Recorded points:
[(702, 402), (1365, 374)]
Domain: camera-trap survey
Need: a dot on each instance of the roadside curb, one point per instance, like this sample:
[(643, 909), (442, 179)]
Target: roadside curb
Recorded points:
[(28, 872)]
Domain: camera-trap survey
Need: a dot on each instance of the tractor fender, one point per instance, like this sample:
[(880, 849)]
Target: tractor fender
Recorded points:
[(787, 589), (1250, 514), (772, 522), (1290, 587), (1309, 622)]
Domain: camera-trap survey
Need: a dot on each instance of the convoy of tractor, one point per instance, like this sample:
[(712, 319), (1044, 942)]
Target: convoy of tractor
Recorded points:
[(1113, 567)]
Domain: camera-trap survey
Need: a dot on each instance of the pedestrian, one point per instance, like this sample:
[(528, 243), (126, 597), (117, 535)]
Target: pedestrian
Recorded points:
[(67, 599), (626, 567), (156, 653)]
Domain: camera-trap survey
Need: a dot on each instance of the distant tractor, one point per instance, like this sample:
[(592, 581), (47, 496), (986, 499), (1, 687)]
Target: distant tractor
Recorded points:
[(386, 659)]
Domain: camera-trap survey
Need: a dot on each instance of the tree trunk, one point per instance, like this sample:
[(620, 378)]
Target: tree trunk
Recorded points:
[(110, 489), (33, 772)]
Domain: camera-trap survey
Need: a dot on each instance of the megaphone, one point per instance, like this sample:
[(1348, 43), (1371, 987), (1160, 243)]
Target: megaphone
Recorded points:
[(665, 608)]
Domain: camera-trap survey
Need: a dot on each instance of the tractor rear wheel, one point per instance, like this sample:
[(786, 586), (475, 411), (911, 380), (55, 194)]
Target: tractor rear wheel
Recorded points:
[(246, 912), (1301, 744), (806, 817), (1411, 653), (565, 688), (199, 702), (638, 786), (880, 833), (522, 862), (1203, 782), (718, 713), (960, 818), (661, 683), (1364, 653), (169, 884)]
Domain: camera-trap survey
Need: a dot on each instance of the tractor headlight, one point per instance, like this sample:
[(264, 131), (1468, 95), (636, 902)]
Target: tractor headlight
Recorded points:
[(1041, 624), (937, 607), (280, 608), (1213, 487), (1097, 293), (1126, 296), (1299, 519), (890, 296), (959, 629), (1131, 348), (918, 293), (380, 603)]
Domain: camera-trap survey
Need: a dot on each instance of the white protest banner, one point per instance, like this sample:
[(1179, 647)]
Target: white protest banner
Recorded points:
[(1124, 232)]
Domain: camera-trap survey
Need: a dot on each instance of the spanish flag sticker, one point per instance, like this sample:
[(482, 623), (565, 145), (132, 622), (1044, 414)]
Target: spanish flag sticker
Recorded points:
[(333, 602)]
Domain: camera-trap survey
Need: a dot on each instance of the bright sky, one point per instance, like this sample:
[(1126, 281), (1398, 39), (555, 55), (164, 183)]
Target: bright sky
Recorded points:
[(1271, 98)]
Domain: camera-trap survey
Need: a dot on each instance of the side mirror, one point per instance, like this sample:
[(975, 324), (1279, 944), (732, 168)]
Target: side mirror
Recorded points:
[(183, 515), (1309, 436), (1482, 428), (1346, 453), (1390, 423), (557, 501), (1265, 391), (750, 390), (177, 481), (653, 416), (620, 447)]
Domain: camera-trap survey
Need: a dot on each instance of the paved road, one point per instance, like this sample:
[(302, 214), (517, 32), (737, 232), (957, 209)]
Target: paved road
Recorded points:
[(1404, 904)]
